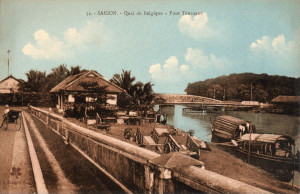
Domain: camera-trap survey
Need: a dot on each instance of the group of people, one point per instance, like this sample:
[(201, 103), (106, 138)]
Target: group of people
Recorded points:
[(5, 117)]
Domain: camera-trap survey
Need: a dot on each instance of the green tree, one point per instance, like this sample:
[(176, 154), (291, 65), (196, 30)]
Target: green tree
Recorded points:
[(124, 80), (238, 87), (35, 81), (142, 94), (74, 70)]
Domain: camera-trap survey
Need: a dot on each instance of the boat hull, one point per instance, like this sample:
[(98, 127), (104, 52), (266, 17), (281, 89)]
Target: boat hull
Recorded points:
[(281, 167)]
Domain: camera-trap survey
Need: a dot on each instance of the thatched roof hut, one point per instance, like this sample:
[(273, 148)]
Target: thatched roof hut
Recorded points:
[(73, 83), (89, 82)]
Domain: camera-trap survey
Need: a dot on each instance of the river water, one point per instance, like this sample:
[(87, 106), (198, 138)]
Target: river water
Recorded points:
[(264, 123)]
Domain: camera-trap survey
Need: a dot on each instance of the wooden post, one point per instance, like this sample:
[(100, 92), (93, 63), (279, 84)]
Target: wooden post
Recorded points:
[(249, 143), (47, 119)]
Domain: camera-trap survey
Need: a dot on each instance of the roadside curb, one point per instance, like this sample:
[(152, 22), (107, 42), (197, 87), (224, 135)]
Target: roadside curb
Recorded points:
[(37, 172)]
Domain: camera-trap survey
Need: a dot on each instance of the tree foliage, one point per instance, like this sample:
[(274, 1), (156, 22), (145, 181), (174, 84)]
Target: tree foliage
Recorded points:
[(238, 87), (140, 95), (38, 81), (35, 81), (124, 80)]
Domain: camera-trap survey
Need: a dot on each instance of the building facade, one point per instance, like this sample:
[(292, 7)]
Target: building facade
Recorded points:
[(10, 85), (85, 88)]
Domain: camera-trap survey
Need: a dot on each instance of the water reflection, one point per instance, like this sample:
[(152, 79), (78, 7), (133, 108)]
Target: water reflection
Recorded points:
[(201, 122), (265, 123)]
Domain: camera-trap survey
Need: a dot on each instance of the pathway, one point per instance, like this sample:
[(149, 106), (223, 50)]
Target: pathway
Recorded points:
[(15, 166)]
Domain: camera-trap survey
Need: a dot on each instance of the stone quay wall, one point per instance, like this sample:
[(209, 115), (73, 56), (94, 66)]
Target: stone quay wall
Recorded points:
[(129, 166)]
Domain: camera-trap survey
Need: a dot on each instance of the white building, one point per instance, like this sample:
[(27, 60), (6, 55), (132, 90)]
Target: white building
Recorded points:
[(10, 84)]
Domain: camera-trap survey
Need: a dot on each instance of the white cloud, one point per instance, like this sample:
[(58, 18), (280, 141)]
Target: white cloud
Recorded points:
[(198, 59), (171, 63), (91, 33), (275, 46), (72, 36), (278, 43), (155, 68), (47, 46), (275, 55), (169, 69), (263, 43), (173, 76), (184, 68), (197, 27)]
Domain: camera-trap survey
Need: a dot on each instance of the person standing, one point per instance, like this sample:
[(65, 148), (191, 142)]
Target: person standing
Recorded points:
[(5, 117)]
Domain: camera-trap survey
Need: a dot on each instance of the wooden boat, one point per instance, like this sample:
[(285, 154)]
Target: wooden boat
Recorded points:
[(225, 128), (273, 151), (194, 110), (212, 109)]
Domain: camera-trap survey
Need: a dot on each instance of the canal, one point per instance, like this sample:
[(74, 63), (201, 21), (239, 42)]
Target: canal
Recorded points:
[(265, 123)]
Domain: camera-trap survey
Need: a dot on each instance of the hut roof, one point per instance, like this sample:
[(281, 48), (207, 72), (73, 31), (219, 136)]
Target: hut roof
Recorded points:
[(287, 99), (72, 83), (176, 160), (19, 80), (267, 138)]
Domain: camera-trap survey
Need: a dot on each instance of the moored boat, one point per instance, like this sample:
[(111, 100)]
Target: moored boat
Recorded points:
[(194, 110), (225, 128), (271, 150)]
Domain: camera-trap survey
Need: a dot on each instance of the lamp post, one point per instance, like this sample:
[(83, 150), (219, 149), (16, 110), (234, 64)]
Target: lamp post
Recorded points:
[(8, 62)]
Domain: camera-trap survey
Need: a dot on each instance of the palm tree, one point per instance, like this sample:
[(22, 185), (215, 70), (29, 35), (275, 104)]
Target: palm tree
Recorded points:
[(124, 80), (76, 70), (57, 75), (148, 94), (142, 94), (35, 81)]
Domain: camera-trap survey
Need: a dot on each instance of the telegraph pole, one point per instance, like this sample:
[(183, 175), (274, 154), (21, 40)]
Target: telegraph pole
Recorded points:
[(251, 91), (214, 93), (8, 62)]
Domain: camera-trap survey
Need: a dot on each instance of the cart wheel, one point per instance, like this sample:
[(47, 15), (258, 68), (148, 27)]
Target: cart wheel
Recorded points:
[(107, 129), (128, 133), (167, 148)]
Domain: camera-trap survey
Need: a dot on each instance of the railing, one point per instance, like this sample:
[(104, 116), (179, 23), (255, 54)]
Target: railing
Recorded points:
[(130, 167), (182, 98)]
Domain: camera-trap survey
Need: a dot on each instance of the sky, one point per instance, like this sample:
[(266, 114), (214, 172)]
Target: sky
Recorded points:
[(170, 43)]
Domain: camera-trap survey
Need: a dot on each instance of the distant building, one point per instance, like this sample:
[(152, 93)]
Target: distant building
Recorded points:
[(286, 99), (250, 102), (10, 85), (67, 91), (289, 104)]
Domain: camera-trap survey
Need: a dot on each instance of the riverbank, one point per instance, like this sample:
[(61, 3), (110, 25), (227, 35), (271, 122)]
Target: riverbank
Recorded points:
[(216, 160)]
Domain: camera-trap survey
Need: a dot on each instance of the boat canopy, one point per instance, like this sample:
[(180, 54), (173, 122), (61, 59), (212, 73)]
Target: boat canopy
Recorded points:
[(230, 119), (228, 123), (267, 138)]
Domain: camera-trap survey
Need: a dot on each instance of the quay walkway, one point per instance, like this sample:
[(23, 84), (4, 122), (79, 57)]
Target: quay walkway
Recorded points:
[(15, 167), (62, 169)]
